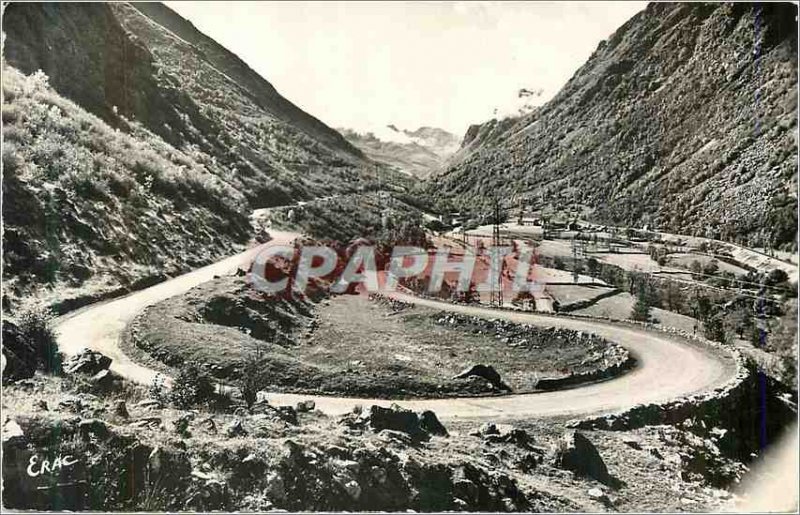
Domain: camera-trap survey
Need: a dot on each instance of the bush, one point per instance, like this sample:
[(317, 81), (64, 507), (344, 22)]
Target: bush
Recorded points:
[(191, 386), (158, 389), (36, 326)]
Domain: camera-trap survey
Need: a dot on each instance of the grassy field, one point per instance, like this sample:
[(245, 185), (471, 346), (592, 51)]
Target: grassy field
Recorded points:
[(620, 305), (346, 345)]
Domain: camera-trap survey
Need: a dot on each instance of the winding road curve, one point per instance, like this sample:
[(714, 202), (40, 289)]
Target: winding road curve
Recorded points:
[(668, 367)]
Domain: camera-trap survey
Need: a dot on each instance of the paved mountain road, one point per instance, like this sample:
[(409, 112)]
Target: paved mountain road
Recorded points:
[(100, 326), (667, 367)]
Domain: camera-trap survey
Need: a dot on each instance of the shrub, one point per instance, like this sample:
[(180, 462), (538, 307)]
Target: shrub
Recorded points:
[(36, 326), (191, 386), (158, 389)]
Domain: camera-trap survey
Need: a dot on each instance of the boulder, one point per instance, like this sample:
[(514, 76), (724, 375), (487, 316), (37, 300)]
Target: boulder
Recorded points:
[(19, 354), (103, 379), (86, 362), (576, 453), (430, 423), (396, 419), (486, 372)]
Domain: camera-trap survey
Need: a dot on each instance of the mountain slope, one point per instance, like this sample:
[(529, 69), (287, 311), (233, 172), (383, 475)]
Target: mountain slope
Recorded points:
[(90, 211), (146, 63), (685, 119), (417, 153)]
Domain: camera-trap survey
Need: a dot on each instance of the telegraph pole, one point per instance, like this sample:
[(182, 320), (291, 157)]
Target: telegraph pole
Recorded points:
[(496, 290)]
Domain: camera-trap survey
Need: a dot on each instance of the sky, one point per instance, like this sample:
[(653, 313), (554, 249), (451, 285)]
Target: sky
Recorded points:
[(363, 65)]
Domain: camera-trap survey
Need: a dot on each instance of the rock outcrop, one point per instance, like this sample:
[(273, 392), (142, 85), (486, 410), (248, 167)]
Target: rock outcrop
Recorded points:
[(19, 354), (576, 453), (87, 362)]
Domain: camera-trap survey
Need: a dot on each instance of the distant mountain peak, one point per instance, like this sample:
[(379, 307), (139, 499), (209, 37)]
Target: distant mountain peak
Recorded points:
[(417, 152)]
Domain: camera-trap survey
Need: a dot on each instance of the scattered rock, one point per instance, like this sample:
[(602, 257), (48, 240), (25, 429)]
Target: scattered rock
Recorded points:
[(305, 406), (209, 424), (632, 442), (595, 493), (93, 426), (103, 379), (486, 372), (489, 428), (576, 453), (86, 362), (516, 436), (396, 437), (235, 429), (121, 409), (146, 422), (181, 424), (12, 433), (149, 404), (287, 414), (42, 405)]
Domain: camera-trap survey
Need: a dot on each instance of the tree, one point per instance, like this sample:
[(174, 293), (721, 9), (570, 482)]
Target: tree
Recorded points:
[(592, 266), (776, 276), (673, 297), (739, 320), (701, 307), (641, 308), (711, 268), (714, 328)]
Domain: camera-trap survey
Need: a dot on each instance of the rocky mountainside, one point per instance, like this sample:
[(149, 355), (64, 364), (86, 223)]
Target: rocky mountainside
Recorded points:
[(144, 62), (417, 153), (684, 119), (136, 147)]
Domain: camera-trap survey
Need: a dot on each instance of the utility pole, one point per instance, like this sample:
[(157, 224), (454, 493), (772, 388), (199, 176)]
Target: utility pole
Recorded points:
[(496, 290)]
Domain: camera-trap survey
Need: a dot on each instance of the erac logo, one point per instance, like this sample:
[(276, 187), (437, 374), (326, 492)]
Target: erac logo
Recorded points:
[(38, 467)]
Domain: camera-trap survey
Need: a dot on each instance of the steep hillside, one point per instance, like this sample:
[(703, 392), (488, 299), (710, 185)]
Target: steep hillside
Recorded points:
[(145, 62), (417, 153), (90, 211), (684, 119)]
